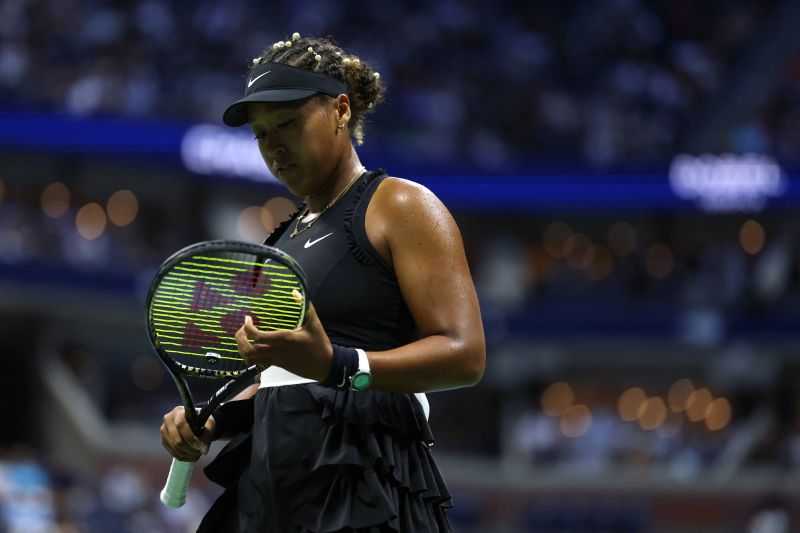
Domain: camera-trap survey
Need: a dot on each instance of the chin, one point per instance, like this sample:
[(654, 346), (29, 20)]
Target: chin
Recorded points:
[(296, 184)]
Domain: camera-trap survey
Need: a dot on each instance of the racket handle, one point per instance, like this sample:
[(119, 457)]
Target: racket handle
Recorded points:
[(174, 492)]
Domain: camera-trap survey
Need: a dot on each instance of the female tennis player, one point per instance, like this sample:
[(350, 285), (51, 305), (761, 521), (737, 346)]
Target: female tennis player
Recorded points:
[(335, 437)]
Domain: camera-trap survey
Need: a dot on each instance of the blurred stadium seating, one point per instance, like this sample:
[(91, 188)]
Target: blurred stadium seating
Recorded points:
[(626, 174)]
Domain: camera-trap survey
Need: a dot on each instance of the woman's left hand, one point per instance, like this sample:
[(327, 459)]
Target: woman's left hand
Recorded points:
[(306, 351)]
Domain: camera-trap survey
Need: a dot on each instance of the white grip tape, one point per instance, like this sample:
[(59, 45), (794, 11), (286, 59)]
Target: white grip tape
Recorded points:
[(174, 492)]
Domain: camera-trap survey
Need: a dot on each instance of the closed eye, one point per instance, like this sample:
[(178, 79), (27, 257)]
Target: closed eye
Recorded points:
[(259, 135)]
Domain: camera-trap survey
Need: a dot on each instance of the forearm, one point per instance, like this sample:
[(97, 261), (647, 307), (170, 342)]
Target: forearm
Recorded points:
[(436, 362), (247, 393)]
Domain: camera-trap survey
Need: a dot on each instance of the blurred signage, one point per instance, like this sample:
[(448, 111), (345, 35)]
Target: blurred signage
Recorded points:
[(727, 182), (716, 183), (214, 150)]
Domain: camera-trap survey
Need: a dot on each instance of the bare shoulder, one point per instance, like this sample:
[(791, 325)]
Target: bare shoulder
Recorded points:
[(403, 214), (400, 198)]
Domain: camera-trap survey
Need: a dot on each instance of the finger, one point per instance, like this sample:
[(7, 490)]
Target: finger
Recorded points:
[(171, 438), (265, 337), (184, 429), (245, 347), (176, 445), (270, 337), (176, 453), (250, 329), (188, 436), (261, 347), (311, 315), (209, 428)]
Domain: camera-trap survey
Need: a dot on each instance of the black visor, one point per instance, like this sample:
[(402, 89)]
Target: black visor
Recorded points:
[(276, 82)]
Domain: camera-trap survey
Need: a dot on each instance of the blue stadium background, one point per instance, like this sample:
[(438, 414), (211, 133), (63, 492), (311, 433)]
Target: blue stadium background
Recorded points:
[(626, 174)]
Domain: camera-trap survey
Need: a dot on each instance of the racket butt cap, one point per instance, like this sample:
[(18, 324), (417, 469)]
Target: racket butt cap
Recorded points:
[(172, 500)]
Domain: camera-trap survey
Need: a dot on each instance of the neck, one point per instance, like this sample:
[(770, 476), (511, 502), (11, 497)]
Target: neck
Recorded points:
[(347, 169)]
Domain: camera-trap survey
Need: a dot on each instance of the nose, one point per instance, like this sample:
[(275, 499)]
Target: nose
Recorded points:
[(274, 152)]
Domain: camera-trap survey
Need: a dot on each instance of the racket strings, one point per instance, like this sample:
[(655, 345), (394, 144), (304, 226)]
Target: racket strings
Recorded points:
[(202, 300)]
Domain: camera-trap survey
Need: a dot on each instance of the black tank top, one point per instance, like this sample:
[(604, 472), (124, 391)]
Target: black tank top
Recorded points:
[(354, 291)]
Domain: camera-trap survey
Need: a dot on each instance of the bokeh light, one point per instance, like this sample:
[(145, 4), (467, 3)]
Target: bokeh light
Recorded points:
[(752, 237), (539, 263), (267, 219), (659, 261), (678, 396), (122, 207), (557, 398), (579, 250), (718, 414), (697, 404), (249, 225), (622, 238), (91, 221), (274, 211), (629, 403), (576, 421), (555, 237), (602, 263), (55, 199), (652, 413)]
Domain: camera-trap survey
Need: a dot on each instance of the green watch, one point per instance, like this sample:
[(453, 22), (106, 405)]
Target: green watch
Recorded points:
[(362, 379)]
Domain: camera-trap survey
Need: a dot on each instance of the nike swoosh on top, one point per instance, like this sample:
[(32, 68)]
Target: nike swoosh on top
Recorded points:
[(251, 82), (309, 243)]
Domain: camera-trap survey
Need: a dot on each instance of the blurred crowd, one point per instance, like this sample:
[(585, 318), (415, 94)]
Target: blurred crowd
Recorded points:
[(524, 79), (699, 278), (627, 91), (684, 431), (775, 128), (38, 497)]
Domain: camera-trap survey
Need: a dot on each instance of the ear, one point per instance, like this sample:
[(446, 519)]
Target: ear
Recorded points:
[(342, 104)]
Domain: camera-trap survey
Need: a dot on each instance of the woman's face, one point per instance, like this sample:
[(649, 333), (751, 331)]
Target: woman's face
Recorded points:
[(298, 141)]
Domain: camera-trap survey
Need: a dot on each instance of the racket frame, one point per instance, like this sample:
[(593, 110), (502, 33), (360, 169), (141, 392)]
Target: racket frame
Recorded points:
[(197, 416)]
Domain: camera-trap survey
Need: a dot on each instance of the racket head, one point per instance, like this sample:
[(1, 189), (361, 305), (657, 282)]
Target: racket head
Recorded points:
[(200, 295)]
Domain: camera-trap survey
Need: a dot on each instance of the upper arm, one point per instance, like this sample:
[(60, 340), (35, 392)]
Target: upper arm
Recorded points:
[(426, 250)]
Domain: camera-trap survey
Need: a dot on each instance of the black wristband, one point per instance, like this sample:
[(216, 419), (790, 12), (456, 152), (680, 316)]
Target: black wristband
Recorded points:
[(343, 366)]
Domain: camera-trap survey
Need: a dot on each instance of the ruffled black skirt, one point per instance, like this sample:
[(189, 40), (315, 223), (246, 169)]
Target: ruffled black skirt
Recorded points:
[(323, 460)]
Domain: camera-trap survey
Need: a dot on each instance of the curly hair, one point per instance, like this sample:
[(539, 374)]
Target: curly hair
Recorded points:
[(323, 55)]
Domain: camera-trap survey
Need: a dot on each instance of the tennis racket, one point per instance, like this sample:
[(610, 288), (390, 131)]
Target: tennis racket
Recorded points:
[(196, 303)]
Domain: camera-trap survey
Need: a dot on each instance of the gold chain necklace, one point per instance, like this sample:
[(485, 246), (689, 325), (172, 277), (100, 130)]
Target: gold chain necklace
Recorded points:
[(297, 231)]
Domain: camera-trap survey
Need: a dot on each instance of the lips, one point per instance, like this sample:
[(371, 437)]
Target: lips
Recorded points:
[(280, 165)]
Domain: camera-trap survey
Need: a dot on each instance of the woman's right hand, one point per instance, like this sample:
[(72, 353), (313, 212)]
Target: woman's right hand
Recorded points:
[(179, 440)]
